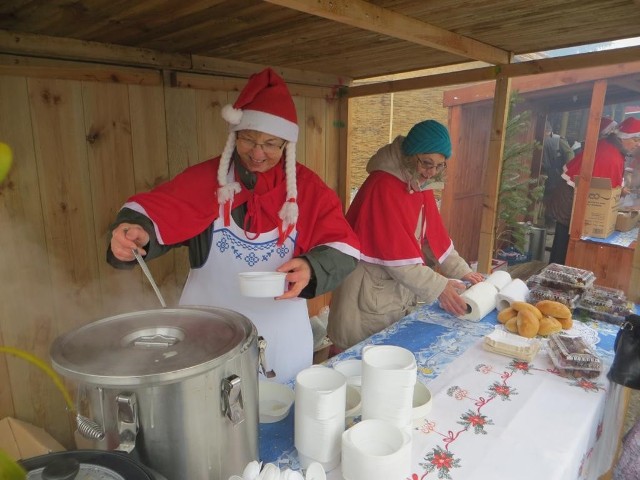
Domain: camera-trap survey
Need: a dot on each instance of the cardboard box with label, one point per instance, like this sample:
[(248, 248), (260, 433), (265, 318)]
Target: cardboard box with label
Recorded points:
[(602, 208), (19, 439)]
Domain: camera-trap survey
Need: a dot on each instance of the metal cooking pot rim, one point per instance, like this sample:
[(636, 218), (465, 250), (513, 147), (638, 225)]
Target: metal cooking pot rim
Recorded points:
[(152, 346)]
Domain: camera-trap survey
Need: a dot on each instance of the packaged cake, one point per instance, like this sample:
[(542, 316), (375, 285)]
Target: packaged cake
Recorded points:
[(563, 277), (573, 357), (605, 304), (538, 291)]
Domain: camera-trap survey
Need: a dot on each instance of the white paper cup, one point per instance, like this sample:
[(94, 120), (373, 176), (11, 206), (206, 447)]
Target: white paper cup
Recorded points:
[(320, 408), (375, 449), (352, 369), (262, 284)]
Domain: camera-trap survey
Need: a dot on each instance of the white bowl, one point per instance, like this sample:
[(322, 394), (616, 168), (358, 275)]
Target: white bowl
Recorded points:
[(352, 369), (274, 401), (421, 403), (353, 401), (262, 284)]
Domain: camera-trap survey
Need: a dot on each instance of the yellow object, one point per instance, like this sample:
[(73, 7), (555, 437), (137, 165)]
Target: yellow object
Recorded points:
[(10, 470), (29, 357), (6, 159)]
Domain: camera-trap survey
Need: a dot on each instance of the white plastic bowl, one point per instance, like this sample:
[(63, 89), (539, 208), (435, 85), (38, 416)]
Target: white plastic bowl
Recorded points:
[(274, 401), (352, 369), (262, 284), (421, 403), (352, 406)]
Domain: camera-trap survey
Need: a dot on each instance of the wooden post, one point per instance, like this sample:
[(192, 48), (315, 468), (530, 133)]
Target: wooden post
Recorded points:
[(344, 184), (586, 169), (493, 173)]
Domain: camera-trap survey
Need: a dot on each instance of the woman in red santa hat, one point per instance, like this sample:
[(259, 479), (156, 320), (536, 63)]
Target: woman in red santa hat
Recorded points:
[(253, 208), (609, 162), (398, 223)]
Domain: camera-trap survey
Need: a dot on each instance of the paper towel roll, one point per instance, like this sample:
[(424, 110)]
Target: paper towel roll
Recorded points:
[(499, 279), (481, 299), (517, 290)]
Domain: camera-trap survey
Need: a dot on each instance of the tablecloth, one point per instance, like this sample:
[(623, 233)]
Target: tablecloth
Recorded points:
[(488, 410), (621, 239)]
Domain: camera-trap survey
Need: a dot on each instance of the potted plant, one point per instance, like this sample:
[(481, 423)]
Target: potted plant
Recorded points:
[(519, 195)]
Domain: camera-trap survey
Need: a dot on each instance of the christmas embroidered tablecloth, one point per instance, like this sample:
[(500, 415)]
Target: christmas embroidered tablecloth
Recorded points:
[(492, 416)]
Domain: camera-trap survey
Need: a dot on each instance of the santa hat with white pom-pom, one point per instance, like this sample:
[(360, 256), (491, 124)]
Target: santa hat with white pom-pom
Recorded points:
[(264, 105)]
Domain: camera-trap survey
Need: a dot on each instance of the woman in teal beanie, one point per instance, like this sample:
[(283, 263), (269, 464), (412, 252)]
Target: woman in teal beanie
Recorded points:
[(400, 229)]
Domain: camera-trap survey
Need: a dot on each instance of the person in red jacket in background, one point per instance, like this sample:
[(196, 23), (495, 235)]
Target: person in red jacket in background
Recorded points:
[(609, 163)]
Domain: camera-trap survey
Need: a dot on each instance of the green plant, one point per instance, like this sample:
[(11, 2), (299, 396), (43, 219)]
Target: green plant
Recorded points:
[(519, 195)]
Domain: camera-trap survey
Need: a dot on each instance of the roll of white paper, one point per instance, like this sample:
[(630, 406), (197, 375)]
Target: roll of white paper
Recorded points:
[(499, 279), (481, 299), (516, 291)]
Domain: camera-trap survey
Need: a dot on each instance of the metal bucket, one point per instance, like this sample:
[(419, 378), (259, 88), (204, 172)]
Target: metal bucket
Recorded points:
[(180, 386)]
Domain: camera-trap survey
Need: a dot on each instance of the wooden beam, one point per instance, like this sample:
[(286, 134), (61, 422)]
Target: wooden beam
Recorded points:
[(48, 68), (493, 174), (232, 84), (367, 16), (625, 59), (70, 49), (586, 168), (344, 159)]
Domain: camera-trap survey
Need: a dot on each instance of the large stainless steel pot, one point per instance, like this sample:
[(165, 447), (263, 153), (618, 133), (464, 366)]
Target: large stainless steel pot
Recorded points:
[(178, 385)]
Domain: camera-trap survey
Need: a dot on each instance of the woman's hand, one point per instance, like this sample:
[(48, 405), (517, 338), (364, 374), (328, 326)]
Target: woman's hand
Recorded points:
[(298, 276), (473, 277), (125, 237), (450, 301)]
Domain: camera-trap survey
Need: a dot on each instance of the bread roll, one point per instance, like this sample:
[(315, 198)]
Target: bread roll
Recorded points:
[(566, 323), (520, 306), (549, 325), (528, 323), (554, 309), (512, 325), (506, 314)]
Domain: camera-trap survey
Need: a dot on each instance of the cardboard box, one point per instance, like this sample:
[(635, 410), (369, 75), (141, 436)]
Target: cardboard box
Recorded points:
[(626, 220), (23, 440), (602, 208)]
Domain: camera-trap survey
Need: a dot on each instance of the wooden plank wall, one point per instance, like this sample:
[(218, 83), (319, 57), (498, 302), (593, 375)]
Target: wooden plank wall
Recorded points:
[(80, 149), (463, 193)]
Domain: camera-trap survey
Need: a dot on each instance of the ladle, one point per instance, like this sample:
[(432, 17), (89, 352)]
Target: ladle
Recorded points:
[(147, 272)]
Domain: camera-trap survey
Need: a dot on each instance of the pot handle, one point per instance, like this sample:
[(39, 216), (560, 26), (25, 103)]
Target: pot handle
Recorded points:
[(127, 411), (232, 404)]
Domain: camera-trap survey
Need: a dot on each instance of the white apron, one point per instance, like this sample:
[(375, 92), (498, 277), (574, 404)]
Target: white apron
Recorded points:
[(283, 323)]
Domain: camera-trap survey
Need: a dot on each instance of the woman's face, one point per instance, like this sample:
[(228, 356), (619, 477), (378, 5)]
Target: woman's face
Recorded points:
[(630, 145), (429, 164), (258, 151)]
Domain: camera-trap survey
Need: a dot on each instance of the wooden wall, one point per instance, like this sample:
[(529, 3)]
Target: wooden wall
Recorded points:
[(81, 147)]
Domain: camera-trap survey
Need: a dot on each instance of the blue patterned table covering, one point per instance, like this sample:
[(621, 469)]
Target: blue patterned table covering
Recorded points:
[(621, 239), (436, 338)]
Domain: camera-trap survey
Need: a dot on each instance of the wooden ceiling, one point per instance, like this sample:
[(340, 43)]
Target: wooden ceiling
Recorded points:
[(351, 39)]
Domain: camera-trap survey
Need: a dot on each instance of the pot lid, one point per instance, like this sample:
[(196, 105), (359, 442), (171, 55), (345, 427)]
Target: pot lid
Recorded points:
[(152, 346)]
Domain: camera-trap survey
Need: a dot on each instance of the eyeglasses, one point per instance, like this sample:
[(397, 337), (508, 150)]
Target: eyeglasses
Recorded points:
[(428, 165), (269, 148)]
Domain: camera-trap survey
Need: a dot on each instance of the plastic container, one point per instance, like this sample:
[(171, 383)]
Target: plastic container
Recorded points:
[(511, 345), (262, 284), (564, 277), (274, 401), (539, 292), (605, 304), (573, 357)]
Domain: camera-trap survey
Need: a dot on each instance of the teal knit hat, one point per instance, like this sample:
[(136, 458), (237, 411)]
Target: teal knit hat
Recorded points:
[(427, 137)]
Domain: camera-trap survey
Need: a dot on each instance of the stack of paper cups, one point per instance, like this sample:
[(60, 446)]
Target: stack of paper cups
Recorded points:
[(375, 449), (319, 416), (388, 376)]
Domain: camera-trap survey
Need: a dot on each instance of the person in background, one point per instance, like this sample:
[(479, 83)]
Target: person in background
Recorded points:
[(609, 163), (253, 208), (396, 218), (556, 152)]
